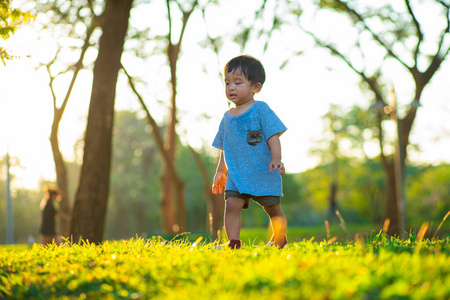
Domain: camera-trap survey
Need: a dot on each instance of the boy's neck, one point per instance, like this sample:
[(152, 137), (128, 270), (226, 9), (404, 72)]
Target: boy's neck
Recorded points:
[(242, 108)]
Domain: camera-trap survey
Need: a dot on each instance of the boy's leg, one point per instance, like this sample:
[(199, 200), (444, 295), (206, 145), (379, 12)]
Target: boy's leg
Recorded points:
[(232, 217), (279, 224)]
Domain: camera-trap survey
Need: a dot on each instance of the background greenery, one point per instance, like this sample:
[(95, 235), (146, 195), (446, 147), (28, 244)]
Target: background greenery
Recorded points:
[(135, 184)]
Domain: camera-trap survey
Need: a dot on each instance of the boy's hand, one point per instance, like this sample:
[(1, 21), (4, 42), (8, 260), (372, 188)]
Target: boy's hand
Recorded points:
[(220, 180), (276, 165)]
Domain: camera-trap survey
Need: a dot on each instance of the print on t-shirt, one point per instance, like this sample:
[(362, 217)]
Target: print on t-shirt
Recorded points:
[(254, 137)]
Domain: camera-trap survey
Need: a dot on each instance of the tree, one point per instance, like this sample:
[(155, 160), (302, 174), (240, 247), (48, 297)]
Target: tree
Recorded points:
[(169, 182), (394, 35), (346, 135), (172, 194), (60, 167), (10, 19), (214, 207), (64, 20), (88, 217)]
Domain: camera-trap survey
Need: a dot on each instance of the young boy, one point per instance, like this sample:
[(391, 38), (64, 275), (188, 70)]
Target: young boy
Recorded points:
[(250, 160)]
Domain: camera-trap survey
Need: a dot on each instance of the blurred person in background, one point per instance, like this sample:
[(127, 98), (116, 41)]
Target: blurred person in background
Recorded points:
[(47, 231)]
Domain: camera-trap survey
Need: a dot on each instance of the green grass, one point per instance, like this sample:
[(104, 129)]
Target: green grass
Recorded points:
[(257, 236), (339, 232), (373, 267)]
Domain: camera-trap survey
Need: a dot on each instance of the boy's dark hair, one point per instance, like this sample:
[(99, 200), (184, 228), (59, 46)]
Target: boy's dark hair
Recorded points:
[(249, 66)]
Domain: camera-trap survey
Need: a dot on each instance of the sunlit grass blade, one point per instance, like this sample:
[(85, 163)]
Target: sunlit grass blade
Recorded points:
[(210, 219), (440, 225), (179, 234), (332, 240), (360, 240), (327, 228), (386, 225), (197, 241), (423, 229), (342, 224)]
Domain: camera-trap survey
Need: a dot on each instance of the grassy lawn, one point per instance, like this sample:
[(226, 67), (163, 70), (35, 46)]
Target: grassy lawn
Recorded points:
[(339, 233), (373, 266)]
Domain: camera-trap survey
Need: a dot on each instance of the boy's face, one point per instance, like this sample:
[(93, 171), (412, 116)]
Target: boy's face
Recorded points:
[(238, 88)]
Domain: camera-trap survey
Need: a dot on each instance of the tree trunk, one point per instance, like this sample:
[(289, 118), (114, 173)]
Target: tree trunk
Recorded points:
[(88, 218), (392, 204), (169, 186), (61, 177), (214, 203), (391, 207), (167, 203)]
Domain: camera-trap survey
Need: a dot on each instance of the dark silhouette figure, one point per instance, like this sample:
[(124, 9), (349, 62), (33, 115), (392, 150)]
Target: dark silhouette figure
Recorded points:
[(47, 231)]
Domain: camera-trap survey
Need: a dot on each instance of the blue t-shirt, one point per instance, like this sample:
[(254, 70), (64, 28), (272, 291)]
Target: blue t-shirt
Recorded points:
[(243, 139)]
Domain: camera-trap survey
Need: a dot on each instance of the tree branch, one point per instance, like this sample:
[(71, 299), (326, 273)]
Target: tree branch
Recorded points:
[(418, 29), (371, 82), (213, 41), (375, 36), (439, 57), (443, 3), (78, 66), (186, 15), (156, 131), (169, 19), (98, 20)]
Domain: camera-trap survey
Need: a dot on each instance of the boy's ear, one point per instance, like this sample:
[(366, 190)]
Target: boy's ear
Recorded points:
[(256, 88)]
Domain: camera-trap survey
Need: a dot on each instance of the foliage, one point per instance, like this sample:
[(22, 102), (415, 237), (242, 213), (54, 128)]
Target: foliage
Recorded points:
[(347, 133), (10, 19), (377, 266), (135, 171), (26, 215), (430, 191), (358, 178), (135, 181), (360, 195), (305, 200), (25, 206)]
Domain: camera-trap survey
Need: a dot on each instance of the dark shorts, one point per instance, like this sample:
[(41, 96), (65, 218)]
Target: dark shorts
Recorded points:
[(261, 200)]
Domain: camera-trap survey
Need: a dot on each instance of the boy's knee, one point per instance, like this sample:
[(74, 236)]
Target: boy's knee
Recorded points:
[(234, 204), (274, 210)]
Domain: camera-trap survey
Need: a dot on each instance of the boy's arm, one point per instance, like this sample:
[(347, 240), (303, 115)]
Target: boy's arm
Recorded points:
[(220, 179), (275, 150)]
